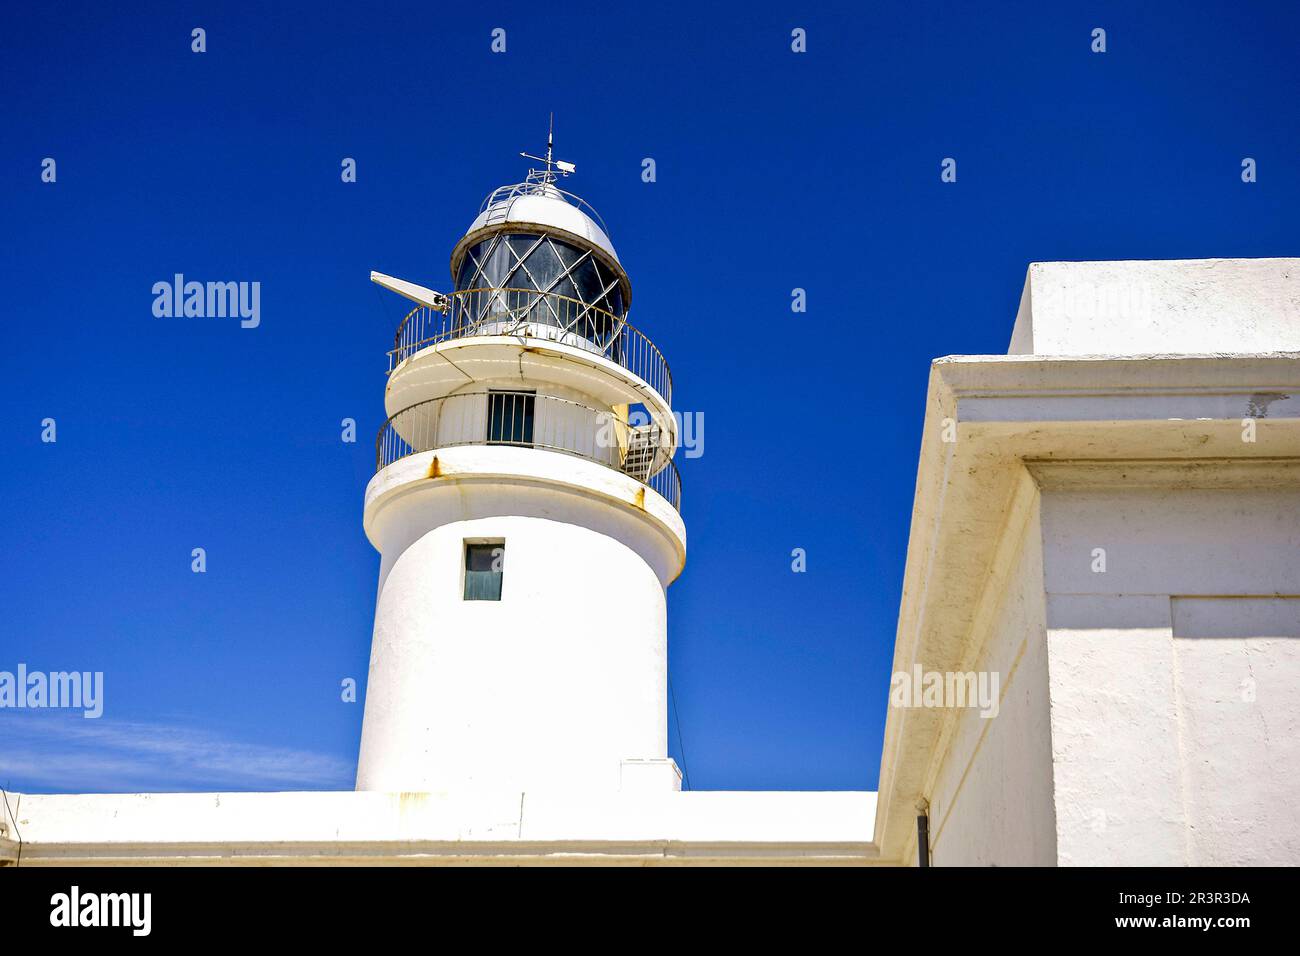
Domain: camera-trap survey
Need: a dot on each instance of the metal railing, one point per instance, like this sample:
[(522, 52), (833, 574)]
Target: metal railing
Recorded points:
[(538, 187), (543, 315), (525, 419)]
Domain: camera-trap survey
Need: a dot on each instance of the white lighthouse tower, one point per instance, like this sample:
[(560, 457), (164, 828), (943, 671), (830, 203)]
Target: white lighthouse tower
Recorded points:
[(525, 503)]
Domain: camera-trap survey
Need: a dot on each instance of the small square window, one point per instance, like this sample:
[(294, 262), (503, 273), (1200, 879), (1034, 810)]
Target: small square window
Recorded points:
[(484, 568), (510, 418)]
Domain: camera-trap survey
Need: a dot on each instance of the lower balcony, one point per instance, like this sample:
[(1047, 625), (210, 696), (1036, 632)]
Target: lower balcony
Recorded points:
[(524, 419)]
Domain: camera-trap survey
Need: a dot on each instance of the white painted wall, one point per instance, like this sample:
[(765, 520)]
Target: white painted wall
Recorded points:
[(510, 827), (552, 687), (1153, 307), (563, 418), (991, 802), (1159, 755), (1123, 400), (1237, 664)]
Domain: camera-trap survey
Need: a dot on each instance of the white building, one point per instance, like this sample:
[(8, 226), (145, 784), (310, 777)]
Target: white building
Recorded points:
[(1113, 526), (1108, 519)]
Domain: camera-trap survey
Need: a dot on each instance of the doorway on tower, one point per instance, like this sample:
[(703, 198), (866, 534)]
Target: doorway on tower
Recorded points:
[(510, 417)]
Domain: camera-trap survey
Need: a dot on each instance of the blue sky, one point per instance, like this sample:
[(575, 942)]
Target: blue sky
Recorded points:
[(775, 170)]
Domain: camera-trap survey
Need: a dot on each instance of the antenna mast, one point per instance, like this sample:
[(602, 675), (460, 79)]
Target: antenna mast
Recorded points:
[(550, 141), (548, 175)]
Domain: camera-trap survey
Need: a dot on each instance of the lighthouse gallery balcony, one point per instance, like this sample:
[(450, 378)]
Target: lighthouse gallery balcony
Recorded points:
[(528, 313), (525, 419)]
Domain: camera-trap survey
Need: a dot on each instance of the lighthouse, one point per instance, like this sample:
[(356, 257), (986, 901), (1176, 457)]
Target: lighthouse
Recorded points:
[(526, 507)]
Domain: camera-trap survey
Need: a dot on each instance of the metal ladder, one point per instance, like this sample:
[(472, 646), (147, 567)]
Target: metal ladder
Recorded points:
[(642, 451)]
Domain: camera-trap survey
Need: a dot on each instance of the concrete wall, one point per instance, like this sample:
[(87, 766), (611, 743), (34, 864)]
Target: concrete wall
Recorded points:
[(1189, 306), (1149, 709), (992, 799), (512, 828), (1174, 713), (553, 686), (1237, 666)]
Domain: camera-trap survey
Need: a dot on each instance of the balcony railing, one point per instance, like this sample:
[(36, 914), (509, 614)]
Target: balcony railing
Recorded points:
[(542, 315), (527, 420)]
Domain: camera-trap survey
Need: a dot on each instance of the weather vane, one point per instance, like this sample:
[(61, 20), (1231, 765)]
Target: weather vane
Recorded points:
[(552, 165)]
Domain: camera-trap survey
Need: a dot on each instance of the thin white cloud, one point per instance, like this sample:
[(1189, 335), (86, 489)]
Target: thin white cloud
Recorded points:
[(46, 750)]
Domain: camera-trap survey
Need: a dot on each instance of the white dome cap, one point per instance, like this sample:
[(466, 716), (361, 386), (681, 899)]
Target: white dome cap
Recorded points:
[(541, 205)]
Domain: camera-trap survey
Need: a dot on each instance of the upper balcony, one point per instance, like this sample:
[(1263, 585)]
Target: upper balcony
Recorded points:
[(529, 314)]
